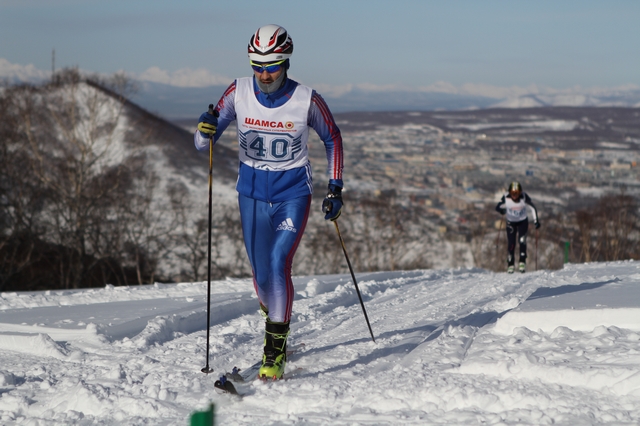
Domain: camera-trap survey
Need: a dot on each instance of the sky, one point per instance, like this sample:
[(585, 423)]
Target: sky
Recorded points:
[(452, 346), (337, 44)]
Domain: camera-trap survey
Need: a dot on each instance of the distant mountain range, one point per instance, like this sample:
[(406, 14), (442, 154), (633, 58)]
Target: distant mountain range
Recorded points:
[(629, 98), (179, 102), (174, 102)]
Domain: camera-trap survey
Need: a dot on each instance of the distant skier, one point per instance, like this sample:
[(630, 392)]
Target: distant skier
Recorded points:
[(274, 115), (514, 203)]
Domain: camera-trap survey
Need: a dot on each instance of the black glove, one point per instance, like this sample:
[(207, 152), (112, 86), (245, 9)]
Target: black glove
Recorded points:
[(208, 122), (332, 204), (502, 210), (537, 224)]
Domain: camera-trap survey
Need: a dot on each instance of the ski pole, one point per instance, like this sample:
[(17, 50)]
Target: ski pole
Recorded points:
[(207, 369), (536, 249), (498, 236), (499, 229), (344, 249)]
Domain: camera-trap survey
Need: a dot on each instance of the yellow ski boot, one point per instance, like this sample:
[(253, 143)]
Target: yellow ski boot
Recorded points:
[(274, 358)]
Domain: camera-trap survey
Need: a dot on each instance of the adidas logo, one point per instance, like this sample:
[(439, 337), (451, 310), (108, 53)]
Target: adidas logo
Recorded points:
[(286, 225)]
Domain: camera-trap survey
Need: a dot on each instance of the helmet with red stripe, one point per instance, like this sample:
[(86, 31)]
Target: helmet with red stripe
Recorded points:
[(270, 43)]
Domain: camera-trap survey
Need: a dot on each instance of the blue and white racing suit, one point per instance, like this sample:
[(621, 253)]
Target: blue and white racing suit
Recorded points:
[(274, 177)]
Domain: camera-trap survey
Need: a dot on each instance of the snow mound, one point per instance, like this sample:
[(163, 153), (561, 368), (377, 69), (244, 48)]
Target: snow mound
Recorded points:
[(580, 307), (38, 344)]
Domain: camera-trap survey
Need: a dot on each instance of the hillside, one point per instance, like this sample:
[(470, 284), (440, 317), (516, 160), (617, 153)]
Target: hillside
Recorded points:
[(420, 187), (176, 145), (95, 188)]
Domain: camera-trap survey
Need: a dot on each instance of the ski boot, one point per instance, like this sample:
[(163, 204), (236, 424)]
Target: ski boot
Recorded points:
[(274, 358), (522, 267), (510, 262)]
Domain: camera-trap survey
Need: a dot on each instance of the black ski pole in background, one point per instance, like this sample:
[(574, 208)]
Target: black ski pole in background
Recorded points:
[(536, 249), (344, 249), (499, 230), (206, 368), (498, 236)]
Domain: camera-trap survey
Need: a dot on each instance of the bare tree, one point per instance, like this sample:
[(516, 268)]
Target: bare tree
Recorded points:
[(22, 199), (228, 257), (146, 227), (381, 233), (73, 136), (320, 251), (608, 231), (67, 136)]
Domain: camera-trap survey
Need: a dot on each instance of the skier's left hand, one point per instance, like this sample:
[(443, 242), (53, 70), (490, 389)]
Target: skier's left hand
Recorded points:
[(332, 204), (537, 224)]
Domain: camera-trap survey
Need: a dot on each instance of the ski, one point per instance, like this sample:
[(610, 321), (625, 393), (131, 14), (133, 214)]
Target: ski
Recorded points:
[(225, 384)]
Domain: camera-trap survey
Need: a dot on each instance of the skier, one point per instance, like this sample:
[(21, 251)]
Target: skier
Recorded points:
[(514, 203), (273, 115)]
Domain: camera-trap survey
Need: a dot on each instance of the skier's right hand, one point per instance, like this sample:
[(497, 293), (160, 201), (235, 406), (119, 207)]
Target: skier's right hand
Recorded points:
[(502, 211), (208, 123)]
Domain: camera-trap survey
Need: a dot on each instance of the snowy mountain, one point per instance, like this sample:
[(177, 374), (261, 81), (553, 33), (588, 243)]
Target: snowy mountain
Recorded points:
[(458, 346), (174, 102), (129, 163), (630, 98)]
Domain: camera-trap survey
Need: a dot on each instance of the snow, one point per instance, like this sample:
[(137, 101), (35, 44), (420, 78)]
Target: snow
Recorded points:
[(553, 125), (458, 346)]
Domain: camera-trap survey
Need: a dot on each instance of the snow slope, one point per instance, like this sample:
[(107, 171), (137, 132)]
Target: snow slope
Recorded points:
[(460, 346)]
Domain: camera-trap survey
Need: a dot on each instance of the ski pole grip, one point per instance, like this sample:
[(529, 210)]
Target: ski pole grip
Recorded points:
[(213, 111), (326, 206)]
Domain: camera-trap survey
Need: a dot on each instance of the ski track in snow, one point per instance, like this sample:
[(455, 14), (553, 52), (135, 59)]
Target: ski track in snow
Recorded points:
[(132, 355)]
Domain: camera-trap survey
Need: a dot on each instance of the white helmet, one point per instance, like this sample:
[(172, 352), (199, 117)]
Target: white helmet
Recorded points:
[(270, 43)]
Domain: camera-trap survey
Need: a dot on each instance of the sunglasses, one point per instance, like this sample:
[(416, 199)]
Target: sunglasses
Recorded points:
[(270, 68)]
